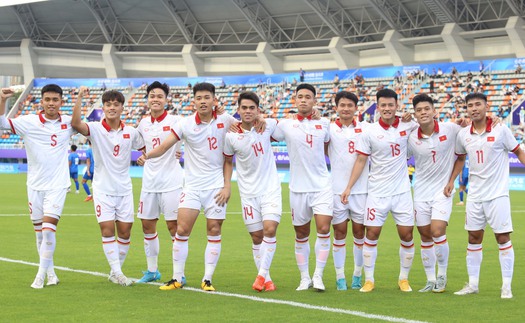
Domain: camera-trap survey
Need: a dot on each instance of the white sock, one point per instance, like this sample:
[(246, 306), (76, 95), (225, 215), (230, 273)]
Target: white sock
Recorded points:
[(109, 244), (442, 251), (47, 248), (123, 249), (428, 257), (339, 254), (358, 256), (302, 253), (406, 257), (38, 235), (474, 258), (211, 256), (256, 252), (268, 247), (180, 254), (506, 261), (322, 251), (369, 258), (151, 248)]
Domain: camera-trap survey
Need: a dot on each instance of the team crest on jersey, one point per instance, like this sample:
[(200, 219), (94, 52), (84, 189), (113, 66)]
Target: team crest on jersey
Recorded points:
[(418, 142), (125, 136), (220, 125), (380, 137), (358, 130), (403, 133), (443, 138), (196, 129), (296, 125), (240, 138), (63, 126), (318, 126), (490, 139), (166, 128), (468, 139)]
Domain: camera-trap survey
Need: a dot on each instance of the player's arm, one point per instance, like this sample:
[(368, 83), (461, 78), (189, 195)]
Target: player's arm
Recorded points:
[(88, 166), (5, 94), (76, 119), (224, 194), (170, 140), (458, 166), (520, 154), (359, 166)]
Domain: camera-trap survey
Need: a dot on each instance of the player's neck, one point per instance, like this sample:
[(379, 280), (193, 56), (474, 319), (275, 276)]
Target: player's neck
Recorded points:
[(54, 117), (346, 122), (389, 121), (427, 129), (113, 123), (205, 117), (156, 114), (247, 125), (480, 126)]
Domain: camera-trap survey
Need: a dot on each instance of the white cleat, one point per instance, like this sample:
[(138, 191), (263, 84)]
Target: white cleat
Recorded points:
[(52, 279), (318, 283), (506, 293), (305, 284), (467, 290), (120, 279), (38, 283)]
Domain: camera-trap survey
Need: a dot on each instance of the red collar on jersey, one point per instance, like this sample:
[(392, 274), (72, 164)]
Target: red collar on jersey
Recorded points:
[(385, 125), (488, 127), (340, 125), (420, 134), (160, 118), (198, 119), (43, 120), (301, 118), (108, 128)]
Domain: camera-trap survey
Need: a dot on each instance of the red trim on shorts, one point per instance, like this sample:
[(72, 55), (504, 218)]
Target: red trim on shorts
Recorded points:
[(227, 155), (408, 247), (427, 247), (155, 237), (473, 250), (506, 248)]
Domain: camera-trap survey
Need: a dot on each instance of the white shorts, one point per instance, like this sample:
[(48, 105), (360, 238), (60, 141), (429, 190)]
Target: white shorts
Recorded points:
[(151, 205), (255, 210), (495, 212), (400, 205), (46, 203), (438, 209), (198, 200), (113, 208), (305, 205), (353, 210)]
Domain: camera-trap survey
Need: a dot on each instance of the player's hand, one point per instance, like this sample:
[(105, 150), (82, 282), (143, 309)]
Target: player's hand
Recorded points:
[(316, 114), (462, 122), (344, 196), (235, 127), (88, 173), (496, 120), (83, 91), (178, 154), (220, 109), (406, 117), (142, 159), (259, 125), (448, 189), (223, 196), (6, 93)]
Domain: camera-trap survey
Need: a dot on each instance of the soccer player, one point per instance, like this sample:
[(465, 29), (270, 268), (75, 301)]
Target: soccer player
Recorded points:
[(487, 148), (112, 143), (73, 160), (344, 135), (463, 182), (88, 174), (46, 136), (204, 185), (259, 184), (310, 186), (432, 146), (162, 180), (385, 142)]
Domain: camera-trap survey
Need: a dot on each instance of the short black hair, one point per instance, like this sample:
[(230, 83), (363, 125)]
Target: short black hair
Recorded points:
[(475, 95), (204, 86), (157, 85), (386, 93), (423, 97), (113, 95), (307, 86), (51, 88), (73, 147), (346, 95), (248, 95)]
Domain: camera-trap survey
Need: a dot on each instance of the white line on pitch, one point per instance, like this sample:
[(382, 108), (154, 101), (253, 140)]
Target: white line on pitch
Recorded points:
[(248, 297)]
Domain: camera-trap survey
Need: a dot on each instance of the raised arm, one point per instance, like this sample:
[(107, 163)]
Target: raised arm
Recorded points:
[(359, 166), (76, 119), (5, 94)]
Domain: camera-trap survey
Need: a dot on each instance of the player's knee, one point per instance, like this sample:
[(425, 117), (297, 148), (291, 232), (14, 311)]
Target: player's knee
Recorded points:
[(502, 238)]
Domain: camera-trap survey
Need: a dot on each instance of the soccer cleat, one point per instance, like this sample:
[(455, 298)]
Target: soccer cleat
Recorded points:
[(441, 283), (356, 282), (317, 282), (404, 286), (428, 287), (207, 286), (305, 284), (149, 277), (258, 284), (120, 279), (460, 203), (341, 284), (171, 285), (269, 286), (367, 287), (52, 279), (467, 290), (506, 293), (38, 283), (88, 198), (77, 191), (183, 281)]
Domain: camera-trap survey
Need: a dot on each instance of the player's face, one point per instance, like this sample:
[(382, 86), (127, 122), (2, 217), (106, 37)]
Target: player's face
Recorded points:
[(157, 100), (387, 108), (204, 102), (477, 109), (346, 109), (112, 110), (424, 112), (248, 111), (51, 102), (304, 101)]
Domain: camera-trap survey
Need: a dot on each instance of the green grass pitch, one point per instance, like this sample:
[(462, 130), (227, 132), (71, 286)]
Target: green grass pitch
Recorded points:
[(84, 296)]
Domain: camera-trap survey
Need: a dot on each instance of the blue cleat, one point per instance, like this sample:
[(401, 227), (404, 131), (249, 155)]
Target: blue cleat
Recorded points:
[(341, 284), (356, 282), (183, 281), (149, 277)]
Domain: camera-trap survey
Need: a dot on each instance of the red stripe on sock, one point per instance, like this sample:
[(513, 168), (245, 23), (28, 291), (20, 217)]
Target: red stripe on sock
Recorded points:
[(474, 249), (50, 229), (124, 243), (301, 241), (274, 242), (441, 242), (358, 244), (36, 230), (407, 247), (339, 245), (155, 237), (214, 241), (426, 247), (106, 242), (183, 240), (324, 237), (501, 249), (370, 244)]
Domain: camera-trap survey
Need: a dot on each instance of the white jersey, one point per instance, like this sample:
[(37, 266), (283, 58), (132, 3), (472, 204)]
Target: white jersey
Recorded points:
[(343, 154), (387, 147), (164, 173), (47, 144), (488, 154), (305, 139), (203, 148), (112, 155), (434, 158), (254, 160)]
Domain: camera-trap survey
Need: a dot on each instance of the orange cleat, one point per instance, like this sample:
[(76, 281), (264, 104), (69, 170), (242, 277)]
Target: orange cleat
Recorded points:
[(269, 286), (89, 198), (258, 285)]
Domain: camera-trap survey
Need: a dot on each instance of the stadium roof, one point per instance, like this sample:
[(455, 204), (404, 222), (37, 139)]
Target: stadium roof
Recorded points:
[(240, 25)]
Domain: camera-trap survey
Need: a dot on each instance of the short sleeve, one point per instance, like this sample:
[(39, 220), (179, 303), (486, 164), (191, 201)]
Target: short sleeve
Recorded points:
[(278, 133)]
